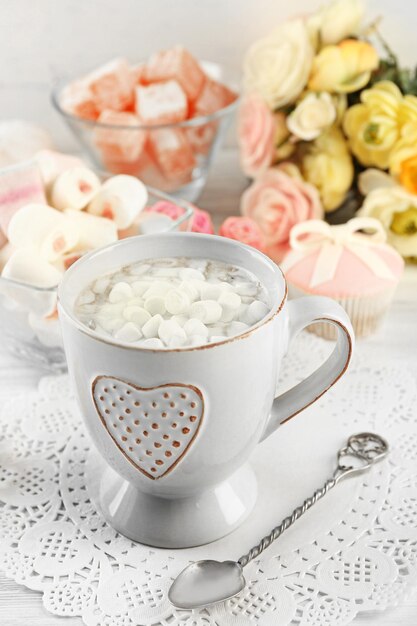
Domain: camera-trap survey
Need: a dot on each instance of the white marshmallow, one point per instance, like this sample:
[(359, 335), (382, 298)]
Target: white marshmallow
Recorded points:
[(154, 305), (236, 328), (176, 341), (74, 188), (196, 327), (180, 319), (208, 311), (169, 329), (217, 338), (210, 291), (187, 287), (152, 342), (93, 232), (230, 300), (136, 314), (120, 292), (242, 312), (135, 301), (197, 340), (129, 332), (230, 303), (40, 226), (256, 311), (157, 288), (121, 198), (139, 287), (25, 266), (187, 273), (151, 327), (176, 301)]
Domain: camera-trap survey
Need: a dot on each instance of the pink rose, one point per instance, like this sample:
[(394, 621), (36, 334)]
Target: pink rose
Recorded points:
[(278, 201), (167, 208), (256, 133), (243, 229), (200, 221)]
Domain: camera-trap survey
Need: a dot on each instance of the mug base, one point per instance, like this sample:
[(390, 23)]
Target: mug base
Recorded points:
[(171, 523)]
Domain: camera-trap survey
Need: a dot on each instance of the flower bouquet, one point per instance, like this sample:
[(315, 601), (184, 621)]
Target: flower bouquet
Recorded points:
[(328, 128)]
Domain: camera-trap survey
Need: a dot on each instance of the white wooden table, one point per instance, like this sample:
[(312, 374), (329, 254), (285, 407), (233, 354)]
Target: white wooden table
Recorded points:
[(22, 607)]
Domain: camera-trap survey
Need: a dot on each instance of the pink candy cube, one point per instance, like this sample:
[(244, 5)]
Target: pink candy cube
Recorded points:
[(173, 153), (177, 64), (111, 86), (19, 185), (201, 137), (162, 103), (77, 99), (137, 74), (213, 97), (120, 144)]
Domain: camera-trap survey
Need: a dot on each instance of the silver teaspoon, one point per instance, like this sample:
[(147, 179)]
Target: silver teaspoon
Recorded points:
[(206, 582)]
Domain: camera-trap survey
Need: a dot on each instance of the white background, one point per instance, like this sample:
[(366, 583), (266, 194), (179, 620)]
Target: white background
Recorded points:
[(43, 40)]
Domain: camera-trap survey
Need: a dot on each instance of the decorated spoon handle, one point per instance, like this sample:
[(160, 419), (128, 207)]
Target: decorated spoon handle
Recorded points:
[(360, 453)]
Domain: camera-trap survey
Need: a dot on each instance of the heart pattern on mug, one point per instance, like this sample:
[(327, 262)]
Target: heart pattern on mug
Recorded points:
[(153, 427)]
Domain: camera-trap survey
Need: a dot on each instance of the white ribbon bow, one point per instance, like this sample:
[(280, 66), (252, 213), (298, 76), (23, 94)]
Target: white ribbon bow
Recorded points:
[(332, 240)]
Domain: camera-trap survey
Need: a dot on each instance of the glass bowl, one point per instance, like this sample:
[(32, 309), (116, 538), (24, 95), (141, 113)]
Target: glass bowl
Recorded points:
[(28, 321), (197, 140)]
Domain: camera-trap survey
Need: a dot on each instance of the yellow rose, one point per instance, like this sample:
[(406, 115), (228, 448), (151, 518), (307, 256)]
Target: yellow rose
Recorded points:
[(312, 115), (339, 19), (277, 67), (328, 166), (405, 148), (396, 209), (373, 127), (343, 68)]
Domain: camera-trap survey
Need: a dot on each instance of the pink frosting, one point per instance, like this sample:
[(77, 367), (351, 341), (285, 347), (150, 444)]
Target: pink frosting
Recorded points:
[(352, 276)]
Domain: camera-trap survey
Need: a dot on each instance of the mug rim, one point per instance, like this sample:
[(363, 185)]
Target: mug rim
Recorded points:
[(64, 307)]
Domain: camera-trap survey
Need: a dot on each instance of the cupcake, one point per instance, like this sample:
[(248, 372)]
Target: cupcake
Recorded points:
[(350, 263)]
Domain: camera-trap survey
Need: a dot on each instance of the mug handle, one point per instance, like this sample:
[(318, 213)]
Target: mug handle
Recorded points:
[(301, 313)]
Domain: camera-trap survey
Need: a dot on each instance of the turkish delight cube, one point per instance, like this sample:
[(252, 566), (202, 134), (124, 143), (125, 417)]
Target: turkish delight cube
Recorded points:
[(178, 64), (213, 97), (120, 144), (173, 153), (161, 103), (111, 86)]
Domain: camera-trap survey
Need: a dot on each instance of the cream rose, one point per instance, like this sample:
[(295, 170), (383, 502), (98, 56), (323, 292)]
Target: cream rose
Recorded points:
[(339, 20), (312, 115), (277, 67), (396, 209), (343, 68)]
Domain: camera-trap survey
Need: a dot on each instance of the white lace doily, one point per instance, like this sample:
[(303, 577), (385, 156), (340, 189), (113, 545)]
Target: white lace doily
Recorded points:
[(356, 550)]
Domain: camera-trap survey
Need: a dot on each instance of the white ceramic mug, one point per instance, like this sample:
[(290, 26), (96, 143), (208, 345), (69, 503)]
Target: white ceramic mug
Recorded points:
[(176, 427)]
